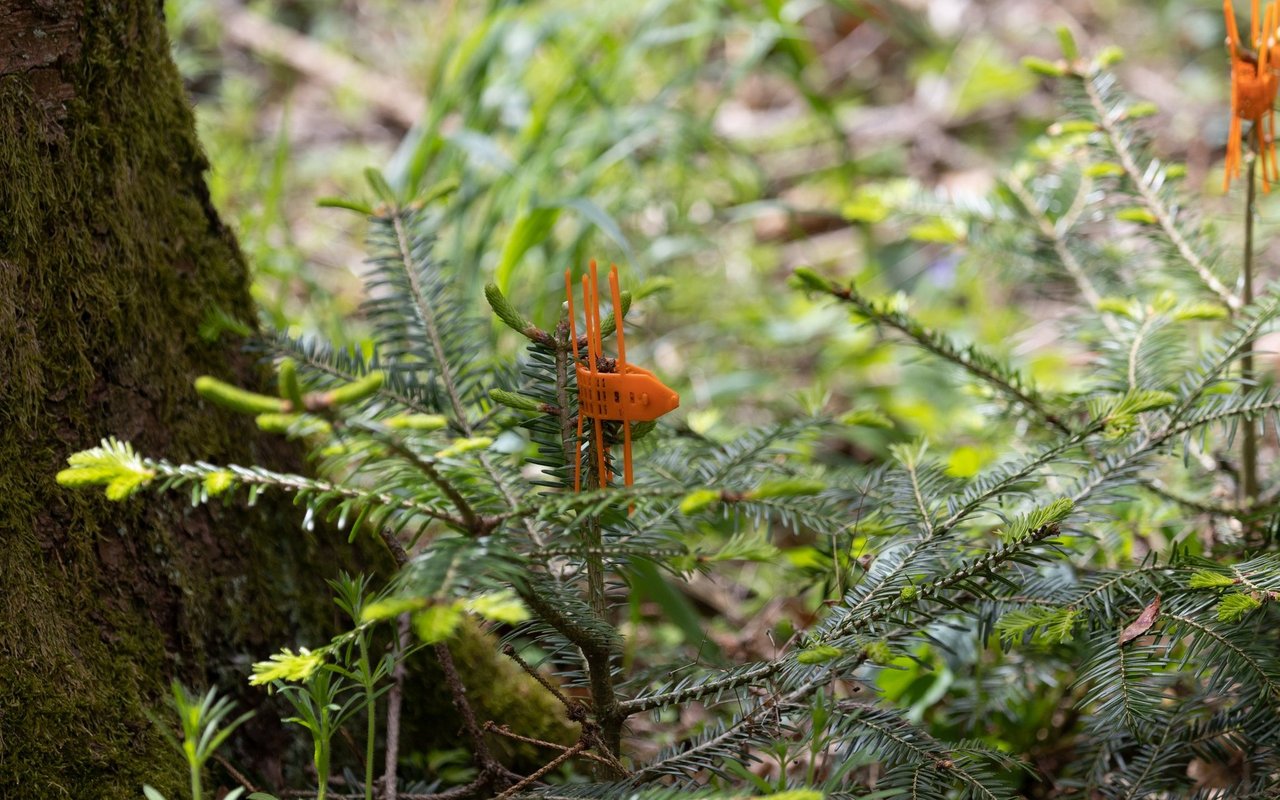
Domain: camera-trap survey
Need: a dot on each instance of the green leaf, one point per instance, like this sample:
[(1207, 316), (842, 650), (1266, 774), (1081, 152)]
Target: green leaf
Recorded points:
[(604, 222), (513, 400), (1141, 110), (416, 422), (530, 230), (809, 279), (748, 545), (652, 584), (150, 793), (463, 446)]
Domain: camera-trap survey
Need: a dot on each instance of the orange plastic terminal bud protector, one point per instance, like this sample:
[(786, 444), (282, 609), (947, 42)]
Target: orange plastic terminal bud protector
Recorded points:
[(1253, 90), (619, 391)]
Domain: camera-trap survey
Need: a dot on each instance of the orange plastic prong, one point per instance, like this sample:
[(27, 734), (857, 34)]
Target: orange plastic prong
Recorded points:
[(616, 297), (591, 308), (573, 338)]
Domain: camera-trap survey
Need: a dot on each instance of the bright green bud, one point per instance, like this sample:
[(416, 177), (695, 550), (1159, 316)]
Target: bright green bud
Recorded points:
[(513, 400), (610, 323), (237, 399), (284, 423), (1048, 69), (276, 423), (1104, 169), (878, 652), (436, 623), (1068, 43), (509, 315), (1234, 607), (501, 606), (355, 391), (289, 388), (1072, 126), (694, 502), (1136, 214), (909, 594), (1110, 56), (215, 483), (390, 608), (866, 418), (786, 488), (287, 666), (1140, 110), (817, 655), (812, 280), (1204, 579), (461, 446), (416, 422)]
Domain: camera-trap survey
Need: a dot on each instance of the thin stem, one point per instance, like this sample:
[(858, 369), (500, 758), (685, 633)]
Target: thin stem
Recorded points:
[(1249, 443), (371, 714), (395, 698), (557, 761), (503, 730), (196, 792)]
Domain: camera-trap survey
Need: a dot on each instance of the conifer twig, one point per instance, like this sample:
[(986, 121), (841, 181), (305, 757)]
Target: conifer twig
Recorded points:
[(555, 762), (1164, 217), (1057, 239), (428, 317), (395, 699)]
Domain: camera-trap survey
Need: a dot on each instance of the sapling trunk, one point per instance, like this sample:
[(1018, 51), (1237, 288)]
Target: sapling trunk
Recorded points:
[(1249, 441)]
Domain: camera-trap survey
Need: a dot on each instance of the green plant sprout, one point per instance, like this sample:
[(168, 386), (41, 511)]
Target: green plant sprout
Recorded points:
[(202, 720)]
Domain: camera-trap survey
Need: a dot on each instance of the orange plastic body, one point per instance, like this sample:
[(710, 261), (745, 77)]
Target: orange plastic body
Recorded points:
[(635, 396), (626, 394), (1253, 91)]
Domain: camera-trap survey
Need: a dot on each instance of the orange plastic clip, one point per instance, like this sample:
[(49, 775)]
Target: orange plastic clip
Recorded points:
[(610, 389), (1253, 90)]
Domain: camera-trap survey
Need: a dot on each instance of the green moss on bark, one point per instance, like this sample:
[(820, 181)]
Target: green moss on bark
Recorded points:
[(110, 256)]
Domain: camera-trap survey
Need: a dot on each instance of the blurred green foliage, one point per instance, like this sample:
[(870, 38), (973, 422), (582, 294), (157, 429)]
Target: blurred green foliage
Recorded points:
[(710, 147)]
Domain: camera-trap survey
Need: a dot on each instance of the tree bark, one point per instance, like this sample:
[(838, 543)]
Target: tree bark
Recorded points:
[(111, 258)]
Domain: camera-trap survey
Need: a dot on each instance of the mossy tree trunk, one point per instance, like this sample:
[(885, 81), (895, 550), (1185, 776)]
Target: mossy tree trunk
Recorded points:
[(111, 257)]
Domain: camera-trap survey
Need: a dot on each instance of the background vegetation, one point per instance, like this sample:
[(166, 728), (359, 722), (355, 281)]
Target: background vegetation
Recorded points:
[(711, 148)]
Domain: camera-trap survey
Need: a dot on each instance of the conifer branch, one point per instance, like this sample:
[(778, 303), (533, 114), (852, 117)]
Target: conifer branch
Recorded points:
[(428, 317), (1107, 121)]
